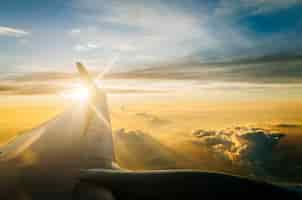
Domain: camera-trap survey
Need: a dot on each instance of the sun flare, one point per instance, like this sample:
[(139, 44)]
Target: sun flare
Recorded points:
[(79, 94)]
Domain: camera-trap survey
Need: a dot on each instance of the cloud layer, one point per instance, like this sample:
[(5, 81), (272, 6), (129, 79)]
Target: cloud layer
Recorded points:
[(270, 69), (12, 32), (239, 150), (142, 32)]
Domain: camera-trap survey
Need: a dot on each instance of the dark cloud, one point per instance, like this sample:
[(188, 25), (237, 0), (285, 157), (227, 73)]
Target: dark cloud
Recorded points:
[(43, 88), (259, 146), (49, 76), (7, 87), (245, 8), (288, 125), (127, 91), (267, 69), (32, 89)]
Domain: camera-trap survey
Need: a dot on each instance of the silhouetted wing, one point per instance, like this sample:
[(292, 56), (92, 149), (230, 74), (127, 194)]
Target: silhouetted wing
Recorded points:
[(81, 136)]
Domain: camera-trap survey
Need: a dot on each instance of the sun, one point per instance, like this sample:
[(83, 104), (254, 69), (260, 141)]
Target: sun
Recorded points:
[(80, 93)]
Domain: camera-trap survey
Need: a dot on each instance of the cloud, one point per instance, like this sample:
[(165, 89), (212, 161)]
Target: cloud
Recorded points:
[(143, 32), (54, 84), (86, 47), (257, 70), (75, 31), (44, 76), (148, 31), (153, 119), (250, 147), (12, 32), (253, 7), (139, 150), (33, 89), (240, 150)]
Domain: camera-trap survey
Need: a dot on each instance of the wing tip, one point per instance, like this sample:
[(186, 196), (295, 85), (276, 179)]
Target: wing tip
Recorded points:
[(82, 70), (79, 66), (79, 63)]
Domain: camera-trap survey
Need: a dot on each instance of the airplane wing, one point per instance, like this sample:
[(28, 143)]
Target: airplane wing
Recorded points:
[(20, 143), (48, 159), (176, 185), (81, 136)]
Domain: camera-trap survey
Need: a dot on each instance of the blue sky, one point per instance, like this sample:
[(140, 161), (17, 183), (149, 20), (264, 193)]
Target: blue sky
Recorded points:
[(46, 35)]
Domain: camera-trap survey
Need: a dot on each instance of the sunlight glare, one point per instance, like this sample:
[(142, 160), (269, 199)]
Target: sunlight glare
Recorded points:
[(79, 94)]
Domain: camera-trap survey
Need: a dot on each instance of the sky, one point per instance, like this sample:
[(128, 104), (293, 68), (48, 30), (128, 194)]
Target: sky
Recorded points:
[(212, 80), (51, 35)]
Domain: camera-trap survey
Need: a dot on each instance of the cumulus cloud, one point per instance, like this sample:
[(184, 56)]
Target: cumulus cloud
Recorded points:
[(243, 150), (241, 145), (12, 32)]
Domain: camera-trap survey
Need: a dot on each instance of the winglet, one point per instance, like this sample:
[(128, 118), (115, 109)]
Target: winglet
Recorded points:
[(98, 110), (83, 72)]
